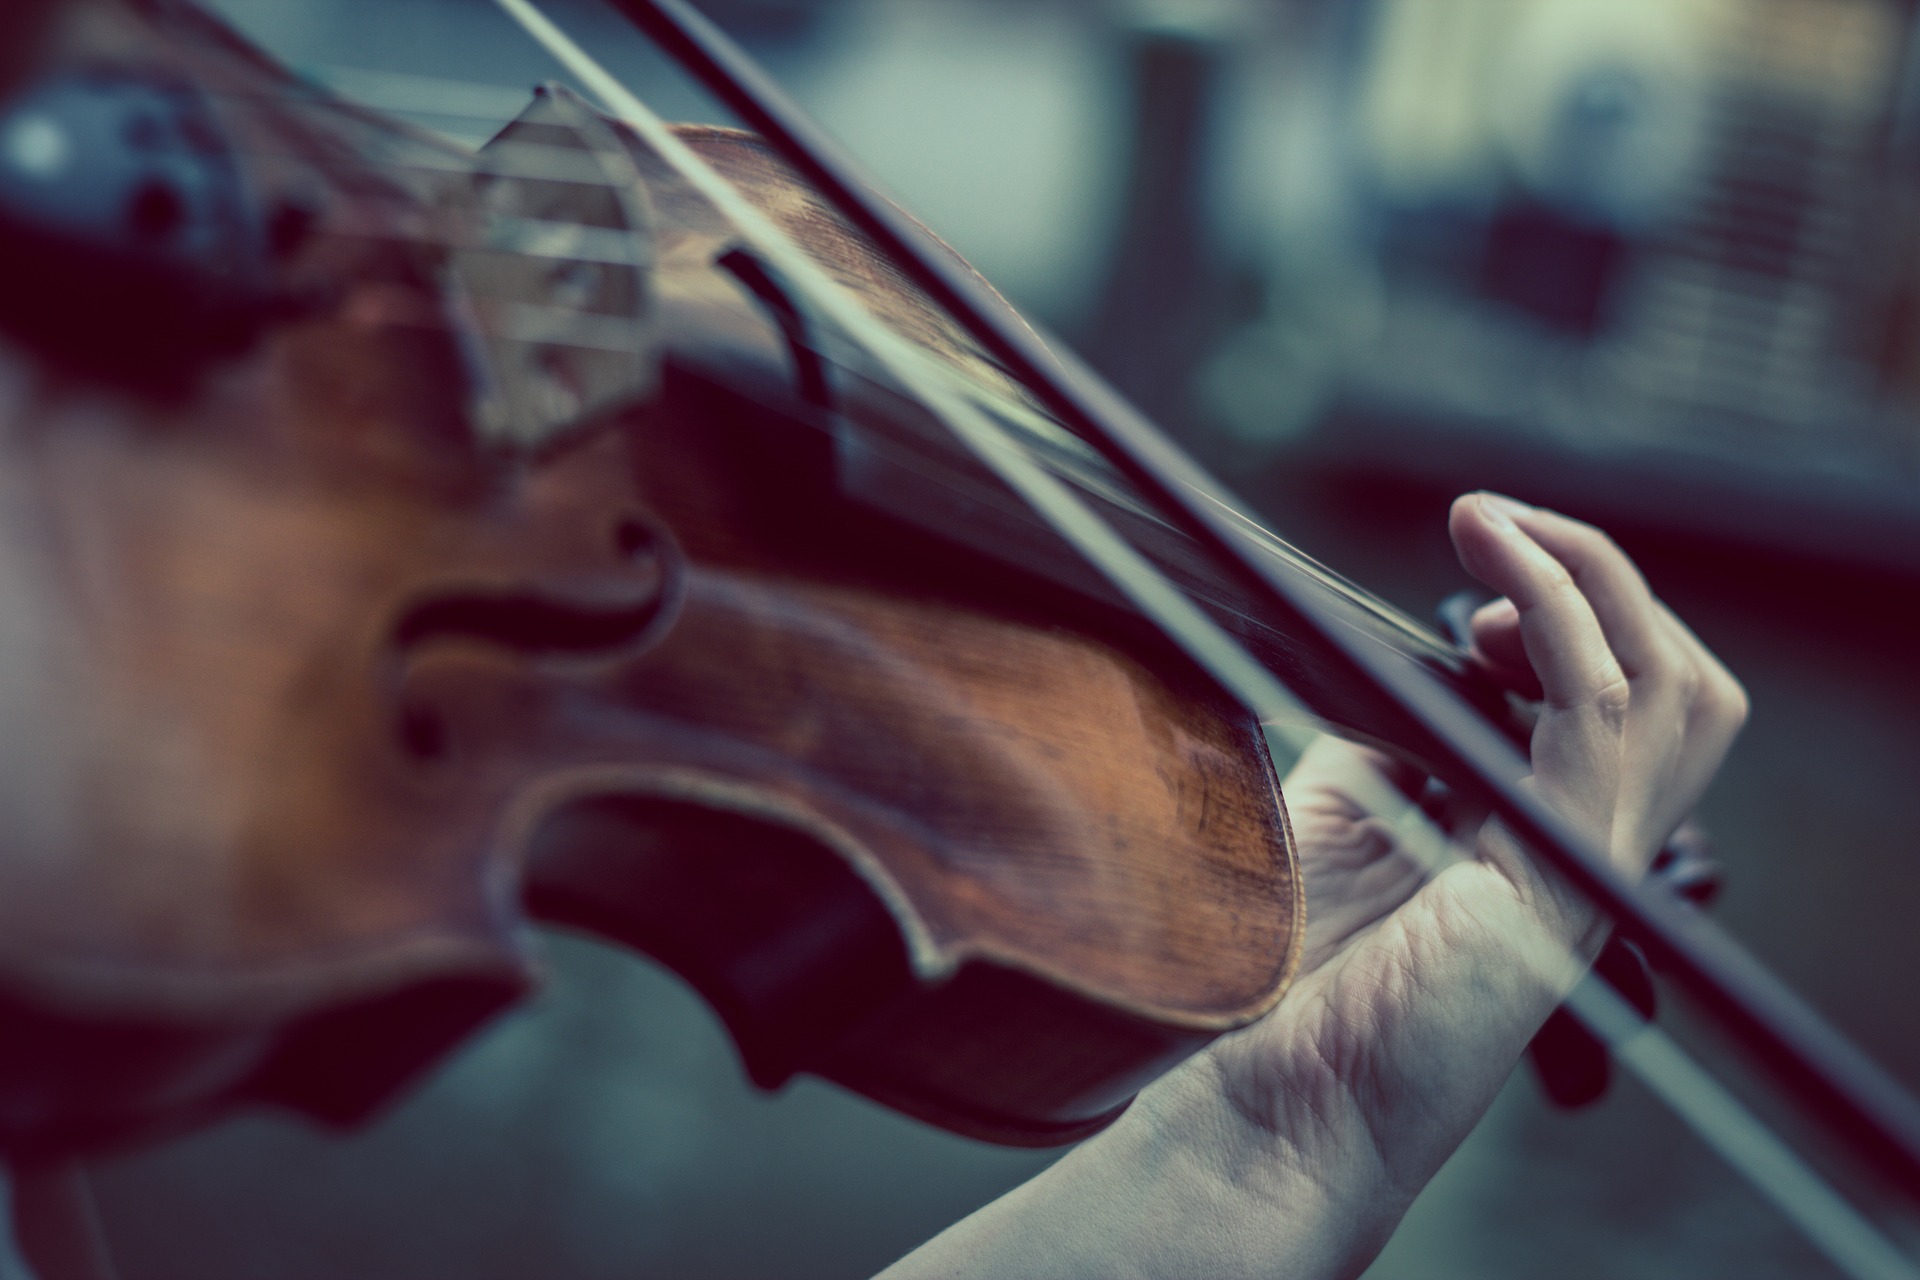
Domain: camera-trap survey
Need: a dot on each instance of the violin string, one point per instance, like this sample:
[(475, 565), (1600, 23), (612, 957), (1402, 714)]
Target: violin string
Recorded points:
[(419, 310), (406, 93), (500, 105), (548, 162), (1129, 572), (585, 329), (1037, 423)]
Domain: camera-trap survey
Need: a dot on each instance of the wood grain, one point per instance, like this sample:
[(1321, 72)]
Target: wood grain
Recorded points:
[(316, 684)]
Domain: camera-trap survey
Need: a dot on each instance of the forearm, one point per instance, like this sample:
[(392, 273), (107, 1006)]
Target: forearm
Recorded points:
[(1181, 1186), (1294, 1147)]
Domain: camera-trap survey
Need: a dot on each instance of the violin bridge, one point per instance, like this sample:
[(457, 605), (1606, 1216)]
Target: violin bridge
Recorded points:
[(554, 294)]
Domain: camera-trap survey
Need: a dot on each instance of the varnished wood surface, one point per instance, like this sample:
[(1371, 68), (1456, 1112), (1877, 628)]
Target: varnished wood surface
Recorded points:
[(300, 669)]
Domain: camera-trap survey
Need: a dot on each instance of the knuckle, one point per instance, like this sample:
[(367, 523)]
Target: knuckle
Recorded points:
[(1610, 698), (1725, 698), (1613, 699), (1690, 683), (1662, 660)]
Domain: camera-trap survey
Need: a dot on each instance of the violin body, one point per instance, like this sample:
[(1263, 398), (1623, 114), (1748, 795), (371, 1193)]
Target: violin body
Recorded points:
[(504, 571)]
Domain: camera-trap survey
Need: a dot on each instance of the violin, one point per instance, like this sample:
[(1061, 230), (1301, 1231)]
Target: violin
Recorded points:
[(415, 545), (380, 659)]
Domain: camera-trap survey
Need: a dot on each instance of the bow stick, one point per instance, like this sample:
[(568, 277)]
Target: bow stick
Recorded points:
[(1837, 1084)]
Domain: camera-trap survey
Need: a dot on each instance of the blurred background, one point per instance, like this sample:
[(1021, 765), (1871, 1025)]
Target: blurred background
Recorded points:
[(1654, 262)]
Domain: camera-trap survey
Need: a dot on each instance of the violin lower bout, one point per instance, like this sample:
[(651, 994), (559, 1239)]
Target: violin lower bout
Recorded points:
[(993, 874), (810, 973)]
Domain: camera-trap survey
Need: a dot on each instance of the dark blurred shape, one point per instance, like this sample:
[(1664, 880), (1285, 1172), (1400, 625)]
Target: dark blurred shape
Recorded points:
[(1570, 1063), (129, 243), (792, 910), (58, 1224), (1551, 266), (1652, 261), (1158, 309)]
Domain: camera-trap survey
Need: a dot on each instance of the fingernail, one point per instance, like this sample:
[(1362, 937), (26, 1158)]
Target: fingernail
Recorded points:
[(1497, 512), (1496, 611)]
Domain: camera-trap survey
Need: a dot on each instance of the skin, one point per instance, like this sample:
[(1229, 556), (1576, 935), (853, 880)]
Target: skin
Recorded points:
[(1294, 1147)]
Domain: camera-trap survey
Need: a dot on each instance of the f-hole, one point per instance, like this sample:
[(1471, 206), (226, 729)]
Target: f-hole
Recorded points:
[(809, 373)]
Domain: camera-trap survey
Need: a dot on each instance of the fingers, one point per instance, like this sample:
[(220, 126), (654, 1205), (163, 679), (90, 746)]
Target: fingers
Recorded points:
[(1560, 630), (1638, 713), (1626, 610), (1652, 646)]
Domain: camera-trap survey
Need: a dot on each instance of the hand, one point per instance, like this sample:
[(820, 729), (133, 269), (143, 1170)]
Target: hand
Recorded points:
[(1294, 1146), (1416, 996), (1636, 714)]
